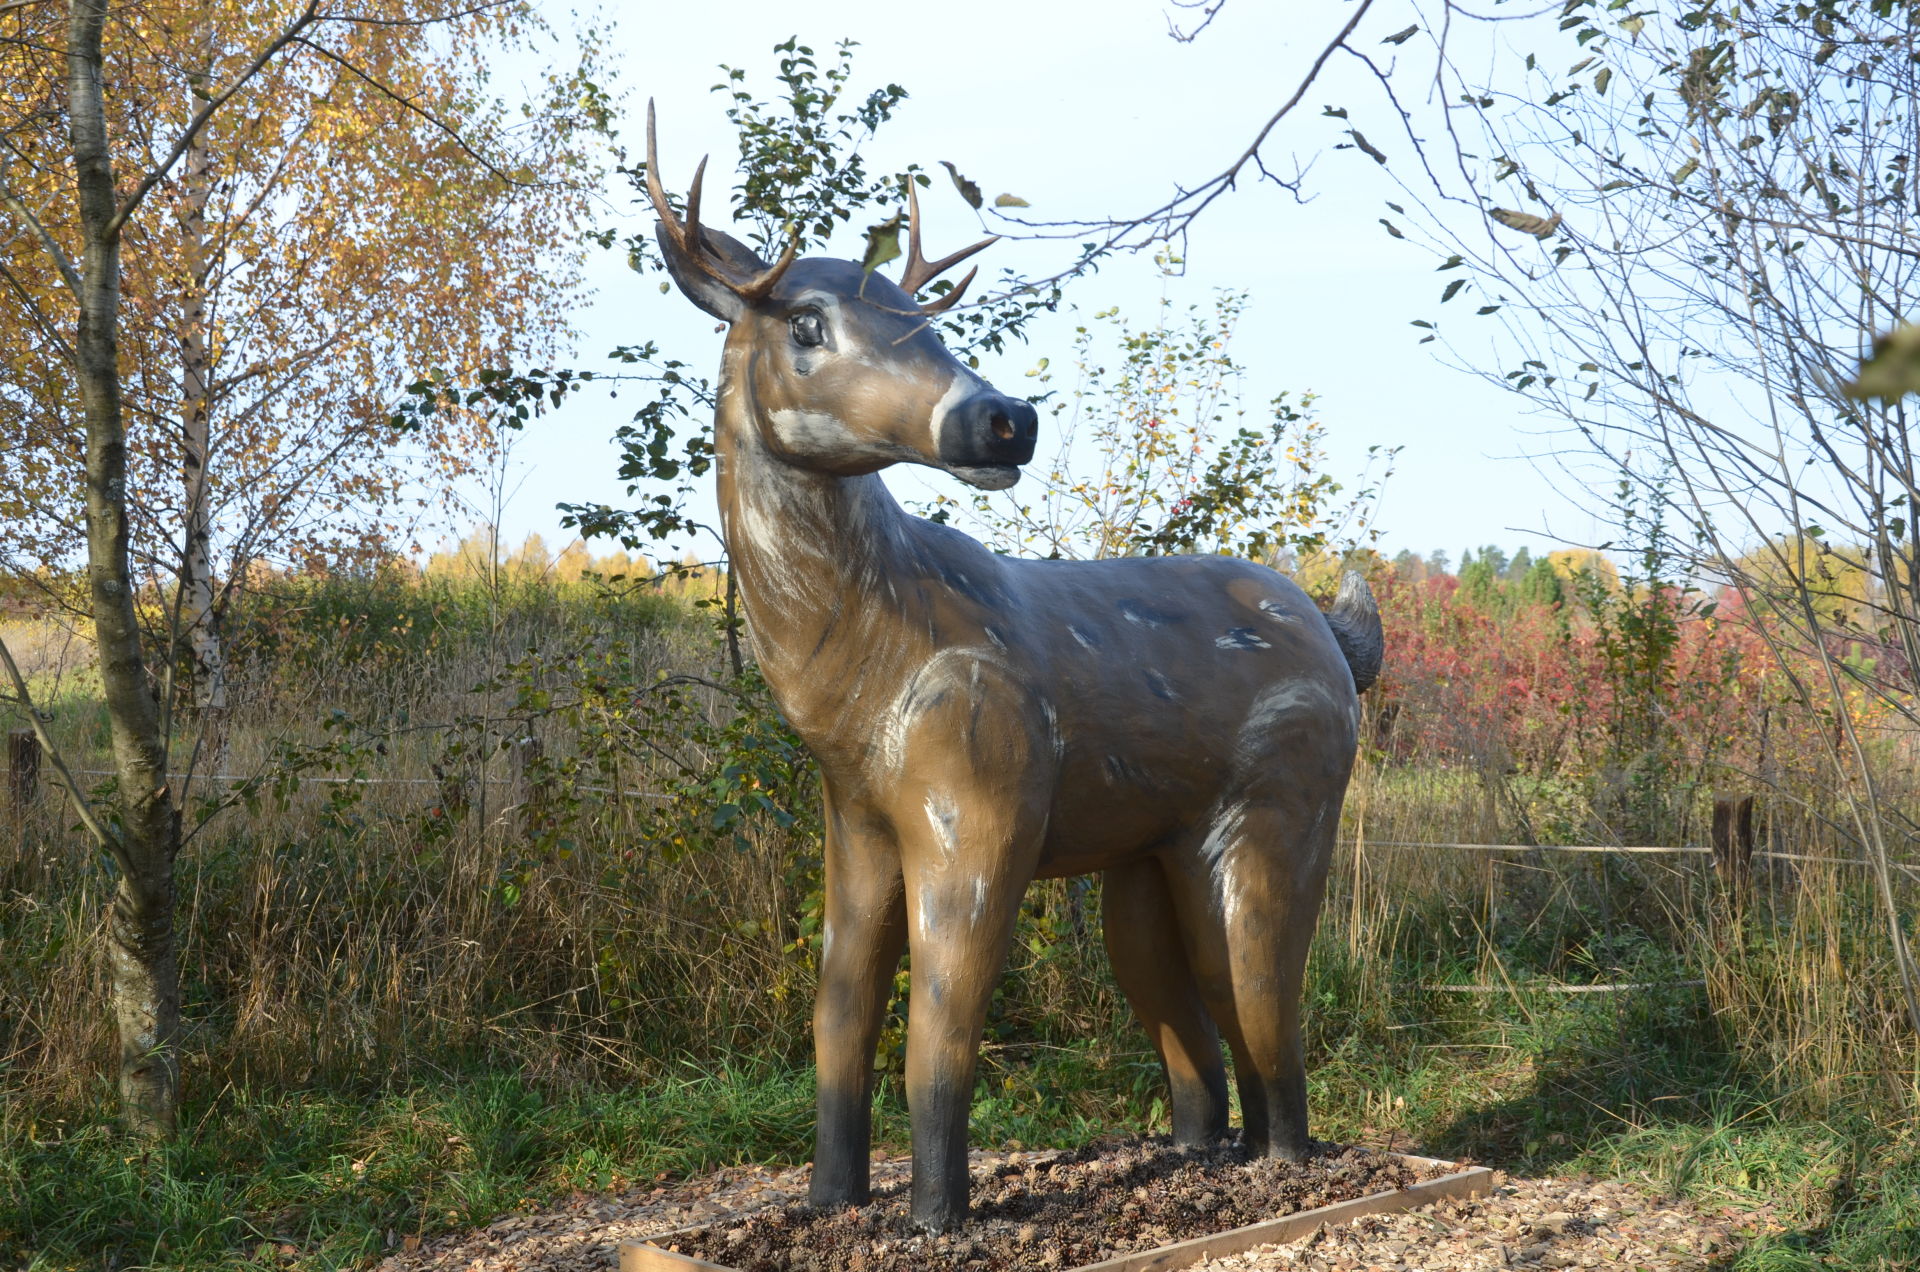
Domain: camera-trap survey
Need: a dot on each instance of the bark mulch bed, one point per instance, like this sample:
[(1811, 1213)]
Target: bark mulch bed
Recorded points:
[(1108, 1199), (1526, 1223)]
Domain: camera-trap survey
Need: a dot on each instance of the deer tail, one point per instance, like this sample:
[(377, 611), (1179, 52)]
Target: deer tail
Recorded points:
[(1355, 620)]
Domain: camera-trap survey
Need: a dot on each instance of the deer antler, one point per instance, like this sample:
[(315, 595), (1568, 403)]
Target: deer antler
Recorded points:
[(687, 236), (918, 272)]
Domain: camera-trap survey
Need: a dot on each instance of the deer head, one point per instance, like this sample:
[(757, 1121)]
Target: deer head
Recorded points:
[(843, 369)]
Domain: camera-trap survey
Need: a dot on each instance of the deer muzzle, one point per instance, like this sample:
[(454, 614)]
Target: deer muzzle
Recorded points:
[(987, 437)]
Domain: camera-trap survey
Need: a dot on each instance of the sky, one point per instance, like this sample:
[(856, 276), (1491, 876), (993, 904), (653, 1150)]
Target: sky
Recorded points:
[(1091, 109)]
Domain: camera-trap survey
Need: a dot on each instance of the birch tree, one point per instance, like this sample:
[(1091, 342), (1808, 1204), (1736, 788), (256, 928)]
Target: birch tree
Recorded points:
[(228, 231), (363, 211)]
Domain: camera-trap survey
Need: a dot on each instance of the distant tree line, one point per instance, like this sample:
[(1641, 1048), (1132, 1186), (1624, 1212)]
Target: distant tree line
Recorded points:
[(1493, 580)]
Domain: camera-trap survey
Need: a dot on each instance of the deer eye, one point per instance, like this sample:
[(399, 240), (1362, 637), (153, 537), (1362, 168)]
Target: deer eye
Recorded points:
[(809, 329)]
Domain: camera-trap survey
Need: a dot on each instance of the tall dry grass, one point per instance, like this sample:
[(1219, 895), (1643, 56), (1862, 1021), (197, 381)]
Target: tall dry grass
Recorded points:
[(1798, 991), (374, 900), (383, 904)]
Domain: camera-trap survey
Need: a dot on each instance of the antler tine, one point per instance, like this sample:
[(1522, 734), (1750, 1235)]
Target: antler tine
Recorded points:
[(693, 204), (910, 280), (657, 192), (918, 272), (761, 287), (952, 298)]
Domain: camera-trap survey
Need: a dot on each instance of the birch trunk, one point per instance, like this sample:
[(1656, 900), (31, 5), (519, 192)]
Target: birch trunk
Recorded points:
[(196, 564), (143, 972)]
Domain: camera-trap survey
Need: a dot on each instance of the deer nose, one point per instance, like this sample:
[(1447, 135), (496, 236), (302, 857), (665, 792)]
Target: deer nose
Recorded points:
[(990, 430)]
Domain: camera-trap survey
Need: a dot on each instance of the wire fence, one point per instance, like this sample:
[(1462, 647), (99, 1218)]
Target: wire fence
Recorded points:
[(530, 788), (241, 779), (1630, 849), (1443, 845)]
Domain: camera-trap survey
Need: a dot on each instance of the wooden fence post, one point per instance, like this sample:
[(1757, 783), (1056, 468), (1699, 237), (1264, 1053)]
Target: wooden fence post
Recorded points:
[(1732, 841), (23, 770), (532, 784)]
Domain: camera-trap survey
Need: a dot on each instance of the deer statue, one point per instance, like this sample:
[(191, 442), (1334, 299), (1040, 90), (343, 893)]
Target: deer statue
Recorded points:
[(1184, 725)]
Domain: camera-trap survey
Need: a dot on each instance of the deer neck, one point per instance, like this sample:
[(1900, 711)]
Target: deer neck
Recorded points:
[(815, 557)]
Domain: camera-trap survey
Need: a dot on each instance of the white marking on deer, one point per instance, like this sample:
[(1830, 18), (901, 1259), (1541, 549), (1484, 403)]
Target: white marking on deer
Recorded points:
[(962, 388), (941, 815)]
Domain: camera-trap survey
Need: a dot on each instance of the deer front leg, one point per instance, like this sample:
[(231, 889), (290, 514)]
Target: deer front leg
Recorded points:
[(865, 932), (961, 912)]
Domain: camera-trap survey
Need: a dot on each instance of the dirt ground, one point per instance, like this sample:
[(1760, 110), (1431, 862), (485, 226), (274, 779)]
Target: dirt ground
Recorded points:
[(1526, 1223)]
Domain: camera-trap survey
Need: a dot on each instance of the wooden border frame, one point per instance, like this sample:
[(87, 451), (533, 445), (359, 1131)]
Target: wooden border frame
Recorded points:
[(1463, 1181)]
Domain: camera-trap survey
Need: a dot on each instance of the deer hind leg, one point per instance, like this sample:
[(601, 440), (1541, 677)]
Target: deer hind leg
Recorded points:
[(1150, 962), (1248, 898), (865, 933)]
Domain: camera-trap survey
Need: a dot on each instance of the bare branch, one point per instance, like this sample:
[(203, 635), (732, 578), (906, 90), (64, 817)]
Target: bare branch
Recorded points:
[(413, 107), (1208, 12)]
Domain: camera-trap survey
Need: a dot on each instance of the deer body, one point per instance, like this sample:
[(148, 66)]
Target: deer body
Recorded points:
[(1185, 725), (1196, 658)]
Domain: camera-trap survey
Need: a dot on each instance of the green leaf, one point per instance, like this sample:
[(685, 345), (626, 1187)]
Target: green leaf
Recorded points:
[(1010, 201), (1401, 37), (1604, 78), (1452, 289), (1685, 170), (968, 190), (1337, 112), (1391, 229), (883, 243)]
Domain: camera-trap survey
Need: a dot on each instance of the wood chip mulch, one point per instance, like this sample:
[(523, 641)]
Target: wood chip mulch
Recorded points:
[(1526, 1223)]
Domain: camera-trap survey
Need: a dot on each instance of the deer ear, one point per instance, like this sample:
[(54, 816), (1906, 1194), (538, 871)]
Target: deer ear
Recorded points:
[(712, 284)]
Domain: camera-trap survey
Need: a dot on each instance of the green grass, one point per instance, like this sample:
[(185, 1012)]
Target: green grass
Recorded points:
[(332, 1174), (336, 1177), (1635, 1090)]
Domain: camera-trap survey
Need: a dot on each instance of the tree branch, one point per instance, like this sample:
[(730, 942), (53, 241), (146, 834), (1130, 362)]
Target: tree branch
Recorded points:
[(453, 134), (308, 16), (102, 836), (16, 205)]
